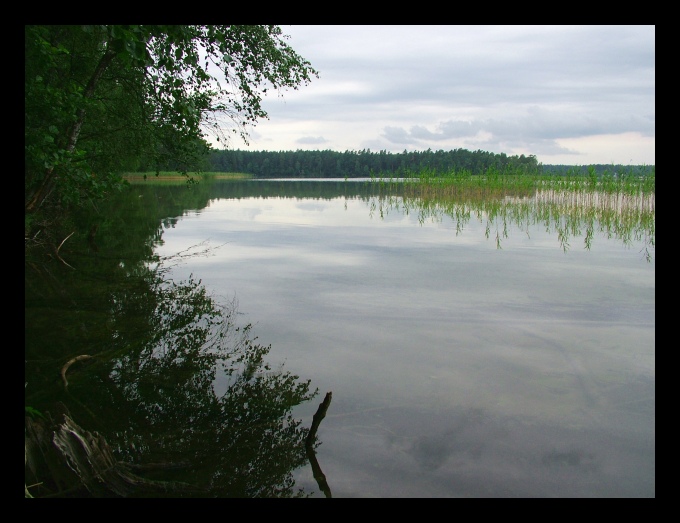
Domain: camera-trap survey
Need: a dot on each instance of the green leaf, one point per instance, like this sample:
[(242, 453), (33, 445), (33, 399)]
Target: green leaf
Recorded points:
[(34, 413)]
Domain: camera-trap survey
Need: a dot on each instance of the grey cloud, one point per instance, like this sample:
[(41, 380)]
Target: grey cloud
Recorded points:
[(415, 87), (397, 135), (311, 140), (456, 129), (537, 129)]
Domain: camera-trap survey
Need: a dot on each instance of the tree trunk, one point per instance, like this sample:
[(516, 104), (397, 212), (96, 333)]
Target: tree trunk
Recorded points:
[(47, 184)]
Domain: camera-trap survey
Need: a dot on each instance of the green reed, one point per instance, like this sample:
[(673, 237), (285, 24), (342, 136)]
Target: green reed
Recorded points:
[(613, 204), (494, 181)]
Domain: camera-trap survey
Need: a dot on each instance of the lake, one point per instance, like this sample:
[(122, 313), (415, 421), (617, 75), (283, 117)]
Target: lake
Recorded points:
[(493, 347)]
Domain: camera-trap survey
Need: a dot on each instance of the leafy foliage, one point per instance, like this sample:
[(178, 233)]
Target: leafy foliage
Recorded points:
[(100, 98)]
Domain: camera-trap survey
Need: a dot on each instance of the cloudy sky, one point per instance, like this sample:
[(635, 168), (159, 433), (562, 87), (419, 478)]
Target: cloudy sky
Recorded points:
[(574, 95)]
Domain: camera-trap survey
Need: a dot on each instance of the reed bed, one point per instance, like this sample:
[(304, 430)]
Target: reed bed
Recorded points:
[(494, 182), (572, 205)]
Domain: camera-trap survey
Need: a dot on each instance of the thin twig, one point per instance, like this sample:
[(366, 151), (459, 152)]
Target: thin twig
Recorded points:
[(69, 363), (62, 242), (56, 252)]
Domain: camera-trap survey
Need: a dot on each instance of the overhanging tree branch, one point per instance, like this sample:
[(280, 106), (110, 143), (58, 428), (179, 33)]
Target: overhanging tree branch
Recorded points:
[(47, 183)]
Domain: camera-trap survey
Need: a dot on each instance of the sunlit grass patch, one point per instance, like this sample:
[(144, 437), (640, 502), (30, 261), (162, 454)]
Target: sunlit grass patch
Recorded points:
[(174, 177)]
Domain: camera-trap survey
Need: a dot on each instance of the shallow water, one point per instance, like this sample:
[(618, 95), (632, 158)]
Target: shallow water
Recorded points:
[(458, 369)]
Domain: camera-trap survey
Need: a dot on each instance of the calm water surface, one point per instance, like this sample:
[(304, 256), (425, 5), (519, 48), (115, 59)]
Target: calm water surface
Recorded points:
[(458, 368)]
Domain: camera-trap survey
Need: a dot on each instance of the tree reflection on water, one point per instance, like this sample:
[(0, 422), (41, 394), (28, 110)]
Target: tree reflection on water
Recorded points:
[(181, 392)]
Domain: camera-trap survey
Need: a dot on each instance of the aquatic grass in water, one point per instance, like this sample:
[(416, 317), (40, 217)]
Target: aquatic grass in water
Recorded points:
[(620, 205), (492, 179)]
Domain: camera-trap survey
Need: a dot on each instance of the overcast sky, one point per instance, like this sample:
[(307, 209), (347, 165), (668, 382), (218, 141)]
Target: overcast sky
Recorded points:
[(574, 95)]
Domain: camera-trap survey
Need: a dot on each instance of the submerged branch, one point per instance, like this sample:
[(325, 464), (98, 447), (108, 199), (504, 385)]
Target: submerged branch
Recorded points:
[(69, 363), (319, 476), (64, 460)]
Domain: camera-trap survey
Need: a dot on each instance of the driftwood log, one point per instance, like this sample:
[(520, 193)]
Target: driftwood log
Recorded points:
[(64, 460)]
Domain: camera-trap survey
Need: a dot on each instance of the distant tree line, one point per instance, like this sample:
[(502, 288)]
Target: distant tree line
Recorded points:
[(363, 163)]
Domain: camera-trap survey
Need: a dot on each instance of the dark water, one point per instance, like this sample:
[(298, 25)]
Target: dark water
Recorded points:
[(494, 347)]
